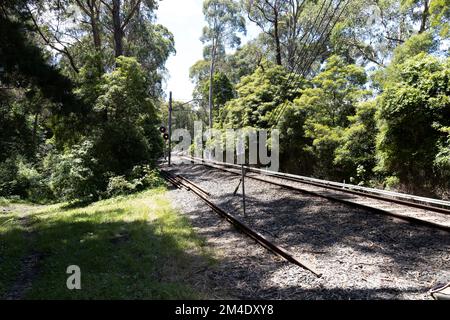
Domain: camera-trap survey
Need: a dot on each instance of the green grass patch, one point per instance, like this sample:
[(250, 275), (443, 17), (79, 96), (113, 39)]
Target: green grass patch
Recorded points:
[(13, 246), (133, 247), (6, 202)]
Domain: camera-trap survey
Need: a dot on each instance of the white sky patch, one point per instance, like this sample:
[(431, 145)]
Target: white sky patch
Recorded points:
[(184, 18)]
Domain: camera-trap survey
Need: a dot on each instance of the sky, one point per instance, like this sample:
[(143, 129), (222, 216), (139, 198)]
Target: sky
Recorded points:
[(184, 18)]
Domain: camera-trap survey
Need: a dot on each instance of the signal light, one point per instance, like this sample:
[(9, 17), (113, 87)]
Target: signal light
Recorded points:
[(162, 129), (166, 136)]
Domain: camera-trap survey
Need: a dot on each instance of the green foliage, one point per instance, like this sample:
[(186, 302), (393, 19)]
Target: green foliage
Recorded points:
[(73, 174), (392, 183), (356, 152), (142, 177), (327, 107), (126, 136), (119, 185), (129, 136), (90, 80), (259, 96), (223, 20), (16, 129), (18, 177), (151, 44), (295, 156), (222, 87), (243, 62), (412, 117), (440, 19), (422, 42)]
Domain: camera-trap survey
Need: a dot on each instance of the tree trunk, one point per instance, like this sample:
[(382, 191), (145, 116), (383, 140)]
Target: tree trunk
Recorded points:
[(35, 125), (117, 27), (96, 34), (211, 75), (425, 16), (277, 39)]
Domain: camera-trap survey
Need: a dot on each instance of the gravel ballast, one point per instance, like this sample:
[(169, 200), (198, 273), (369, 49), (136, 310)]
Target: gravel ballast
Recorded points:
[(361, 255)]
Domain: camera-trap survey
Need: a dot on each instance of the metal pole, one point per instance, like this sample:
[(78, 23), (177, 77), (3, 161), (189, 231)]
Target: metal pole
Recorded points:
[(243, 189), (170, 128)]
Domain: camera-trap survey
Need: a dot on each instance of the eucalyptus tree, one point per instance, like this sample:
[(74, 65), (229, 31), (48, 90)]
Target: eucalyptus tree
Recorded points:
[(298, 31), (76, 29), (268, 16), (224, 21), (373, 29)]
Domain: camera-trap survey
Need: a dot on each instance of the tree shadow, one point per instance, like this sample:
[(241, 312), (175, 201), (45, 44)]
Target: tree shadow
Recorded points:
[(363, 255), (77, 204), (121, 259)]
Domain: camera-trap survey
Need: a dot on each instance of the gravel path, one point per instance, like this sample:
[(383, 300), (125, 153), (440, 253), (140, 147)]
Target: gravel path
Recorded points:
[(361, 255)]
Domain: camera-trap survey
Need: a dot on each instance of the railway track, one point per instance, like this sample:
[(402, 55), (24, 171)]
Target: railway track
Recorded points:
[(180, 182), (424, 211), (357, 253)]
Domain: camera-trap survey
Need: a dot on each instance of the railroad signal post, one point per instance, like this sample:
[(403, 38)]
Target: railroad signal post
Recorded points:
[(165, 135), (170, 130), (168, 136)]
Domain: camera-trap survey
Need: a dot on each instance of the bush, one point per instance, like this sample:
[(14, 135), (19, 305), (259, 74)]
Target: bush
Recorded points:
[(141, 177), (392, 183), (119, 185), (8, 174), (412, 117), (19, 177), (73, 173), (148, 177), (33, 183)]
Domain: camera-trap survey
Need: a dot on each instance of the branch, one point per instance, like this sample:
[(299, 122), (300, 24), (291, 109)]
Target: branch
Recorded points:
[(107, 5), (63, 51), (394, 39), (131, 14), (82, 7), (365, 55)]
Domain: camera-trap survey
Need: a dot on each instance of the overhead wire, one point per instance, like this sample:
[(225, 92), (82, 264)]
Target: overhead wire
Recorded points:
[(301, 53), (316, 47), (308, 65)]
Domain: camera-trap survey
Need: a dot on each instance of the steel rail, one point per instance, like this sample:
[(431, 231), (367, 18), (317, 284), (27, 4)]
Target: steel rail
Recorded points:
[(255, 235), (191, 185), (347, 202), (441, 206)]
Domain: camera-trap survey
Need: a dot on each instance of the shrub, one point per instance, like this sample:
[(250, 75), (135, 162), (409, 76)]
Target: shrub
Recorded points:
[(147, 176), (73, 173), (141, 177), (8, 173), (33, 183), (18, 177), (392, 182), (119, 185)]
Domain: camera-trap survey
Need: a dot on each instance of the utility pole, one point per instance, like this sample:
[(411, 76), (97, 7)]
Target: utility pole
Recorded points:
[(243, 189), (170, 128), (211, 78)]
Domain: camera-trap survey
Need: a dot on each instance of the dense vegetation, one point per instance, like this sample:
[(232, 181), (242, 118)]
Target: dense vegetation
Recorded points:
[(359, 90), (79, 101)]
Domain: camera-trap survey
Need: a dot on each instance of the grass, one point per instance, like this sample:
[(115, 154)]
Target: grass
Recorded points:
[(13, 247), (133, 247), (6, 202)]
